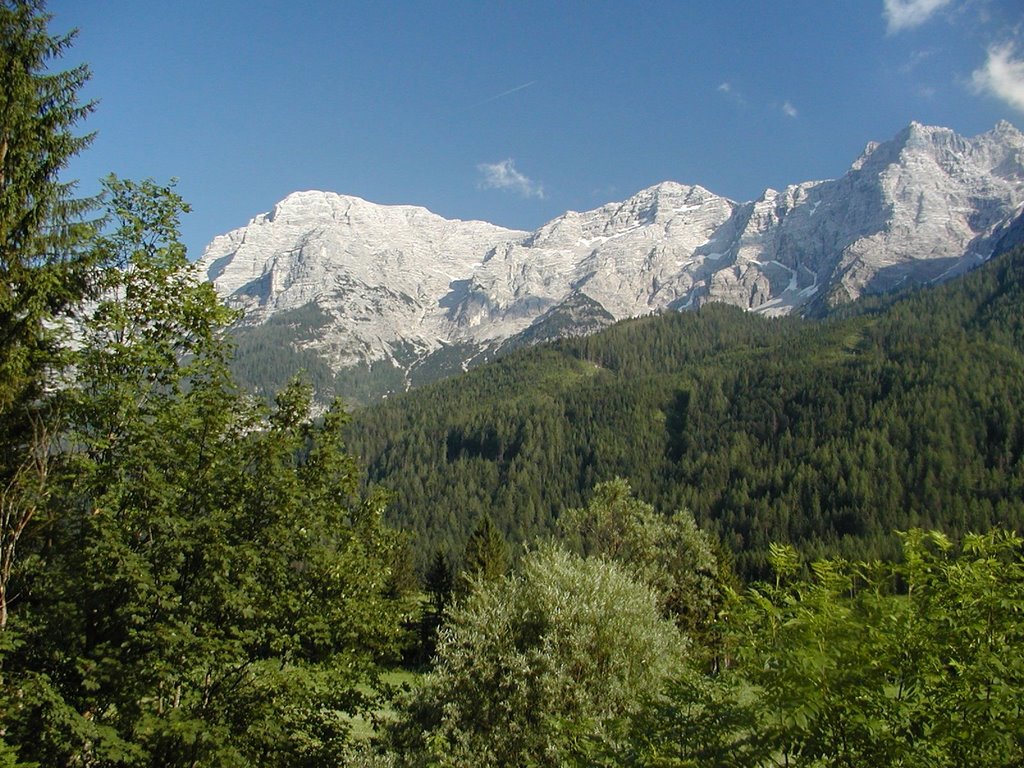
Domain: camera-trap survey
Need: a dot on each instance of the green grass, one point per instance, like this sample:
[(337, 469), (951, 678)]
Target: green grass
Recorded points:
[(363, 725)]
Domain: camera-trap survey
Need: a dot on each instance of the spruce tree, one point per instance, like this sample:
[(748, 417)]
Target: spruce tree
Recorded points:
[(439, 585), (43, 230), (44, 235), (438, 582), (486, 556)]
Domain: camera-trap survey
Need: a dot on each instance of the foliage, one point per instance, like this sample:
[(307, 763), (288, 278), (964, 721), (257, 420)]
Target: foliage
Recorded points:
[(840, 669), (485, 558), (43, 258), (202, 580), (671, 554), (42, 231), (531, 665), (439, 584), (267, 356), (210, 587)]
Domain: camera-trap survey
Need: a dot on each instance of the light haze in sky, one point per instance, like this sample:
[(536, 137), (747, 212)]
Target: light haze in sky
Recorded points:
[(515, 112)]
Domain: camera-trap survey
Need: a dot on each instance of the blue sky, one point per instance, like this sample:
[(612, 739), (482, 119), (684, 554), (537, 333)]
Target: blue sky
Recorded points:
[(515, 112)]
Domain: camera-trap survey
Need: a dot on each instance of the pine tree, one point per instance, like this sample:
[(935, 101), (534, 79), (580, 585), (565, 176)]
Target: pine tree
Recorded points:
[(486, 556), (43, 254), (439, 584), (43, 232)]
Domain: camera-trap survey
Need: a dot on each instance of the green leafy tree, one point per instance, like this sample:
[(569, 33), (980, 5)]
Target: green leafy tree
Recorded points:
[(839, 669), (669, 553), (213, 589), (534, 664)]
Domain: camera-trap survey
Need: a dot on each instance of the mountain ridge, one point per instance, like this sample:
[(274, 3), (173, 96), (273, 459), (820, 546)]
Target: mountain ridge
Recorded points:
[(401, 286)]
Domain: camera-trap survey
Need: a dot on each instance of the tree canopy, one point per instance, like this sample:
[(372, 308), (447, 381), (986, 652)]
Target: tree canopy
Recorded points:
[(207, 584), (191, 575), (532, 663), (873, 663), (44, 255)]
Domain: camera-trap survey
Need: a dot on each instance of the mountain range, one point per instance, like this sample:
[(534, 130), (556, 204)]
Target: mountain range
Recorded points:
[(406, 296)]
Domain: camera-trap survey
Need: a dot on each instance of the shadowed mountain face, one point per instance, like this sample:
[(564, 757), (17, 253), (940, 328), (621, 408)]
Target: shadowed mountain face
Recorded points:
[(415, 296)]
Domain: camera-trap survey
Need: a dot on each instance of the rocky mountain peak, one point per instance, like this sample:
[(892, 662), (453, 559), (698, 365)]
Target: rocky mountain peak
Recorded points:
[(400, 284), (1006, 129), (661, 203)]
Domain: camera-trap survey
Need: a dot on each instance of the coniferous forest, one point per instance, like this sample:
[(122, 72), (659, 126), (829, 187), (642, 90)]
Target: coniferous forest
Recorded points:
[(830, 435), (708, 539)]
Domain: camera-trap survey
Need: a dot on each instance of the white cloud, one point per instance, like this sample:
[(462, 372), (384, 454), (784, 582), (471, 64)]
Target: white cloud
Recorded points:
[(789, 110), (1002, 76), (905, 14), (731, 94), (504, 175)]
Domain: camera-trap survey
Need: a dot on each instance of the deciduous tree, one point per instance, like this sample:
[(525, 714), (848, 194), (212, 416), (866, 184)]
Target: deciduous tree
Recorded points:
[(840, 669), (533, 664), (213, 589), (671, 554)]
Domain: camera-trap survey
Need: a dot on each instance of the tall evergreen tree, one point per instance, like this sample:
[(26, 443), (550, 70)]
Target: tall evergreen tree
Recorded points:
[(486, 556), (43, 234), (439, 582)]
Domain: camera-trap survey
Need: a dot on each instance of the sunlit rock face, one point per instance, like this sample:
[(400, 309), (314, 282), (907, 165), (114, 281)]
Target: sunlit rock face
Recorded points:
[(399, 283)]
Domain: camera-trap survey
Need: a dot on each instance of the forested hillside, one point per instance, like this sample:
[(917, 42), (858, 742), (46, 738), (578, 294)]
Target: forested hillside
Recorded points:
[(829, 434)]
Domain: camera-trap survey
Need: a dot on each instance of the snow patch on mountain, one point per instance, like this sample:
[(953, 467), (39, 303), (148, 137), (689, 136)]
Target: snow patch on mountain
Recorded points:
[(400, 283)]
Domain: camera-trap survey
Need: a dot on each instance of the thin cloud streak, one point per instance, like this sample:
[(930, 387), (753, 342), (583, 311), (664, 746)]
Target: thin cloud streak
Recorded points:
[(731, 94), (503, 94), (503, 175), (916, 58)]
